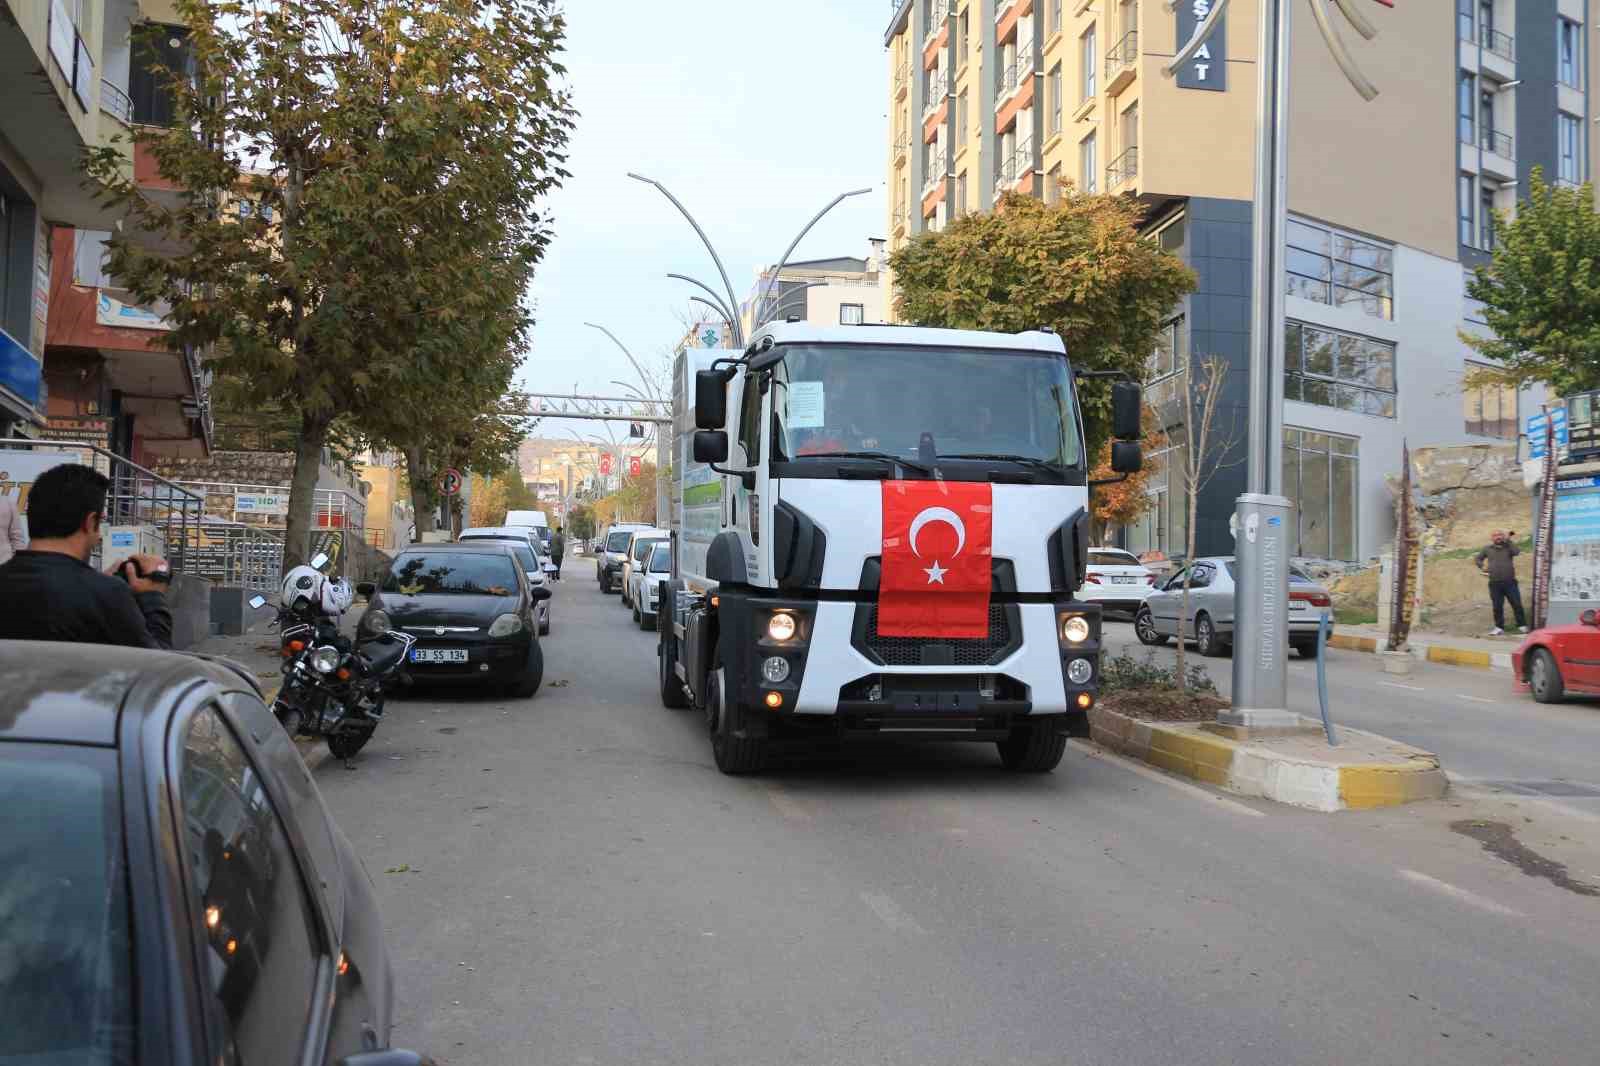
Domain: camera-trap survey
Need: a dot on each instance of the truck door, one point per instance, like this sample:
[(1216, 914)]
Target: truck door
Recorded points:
[(745, 503)]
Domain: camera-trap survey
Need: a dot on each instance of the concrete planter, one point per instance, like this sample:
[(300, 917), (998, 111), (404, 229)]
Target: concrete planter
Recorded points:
[(1396, 662)]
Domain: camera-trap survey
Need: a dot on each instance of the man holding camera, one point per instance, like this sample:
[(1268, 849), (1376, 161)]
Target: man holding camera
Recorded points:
[(51, 593), (1496, 561)]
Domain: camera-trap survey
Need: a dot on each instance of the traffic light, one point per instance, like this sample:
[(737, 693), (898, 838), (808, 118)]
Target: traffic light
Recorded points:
[(636, 429)]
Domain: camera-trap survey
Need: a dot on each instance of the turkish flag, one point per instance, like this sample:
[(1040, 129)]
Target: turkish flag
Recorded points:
[(937, 542)]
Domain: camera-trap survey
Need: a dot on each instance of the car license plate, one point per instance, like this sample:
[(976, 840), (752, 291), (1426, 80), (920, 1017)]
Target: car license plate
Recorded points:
[(438, 655), (1115, 580), (1299, 606)]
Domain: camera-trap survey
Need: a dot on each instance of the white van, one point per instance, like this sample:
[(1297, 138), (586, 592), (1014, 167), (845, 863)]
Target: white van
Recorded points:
[(533, 520)]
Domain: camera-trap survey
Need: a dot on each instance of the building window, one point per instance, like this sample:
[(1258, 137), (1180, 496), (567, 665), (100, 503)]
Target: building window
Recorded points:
[(1336, 268), (1466, 102), (962, 119), (1342, 370), (1164, 525), (1464, 26), (148, 83), (1052, 185), (963, 38), (1490, 410), (1486, 219), (1320, 475), (1089, 64), (1569, 142), (1052, 18), (1464, 196), (1569, 53), (1055, 98), (852, 314), (1088, 164), (961, 193), (1171, 352)]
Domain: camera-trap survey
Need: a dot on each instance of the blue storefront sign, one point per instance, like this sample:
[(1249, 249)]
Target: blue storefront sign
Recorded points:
[(19, 370), (1536, 431)]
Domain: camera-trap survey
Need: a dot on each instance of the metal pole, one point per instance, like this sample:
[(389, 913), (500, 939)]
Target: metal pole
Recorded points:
[(722, 308), (715, 307), (783, 262), (1261, 632), (733, 301)]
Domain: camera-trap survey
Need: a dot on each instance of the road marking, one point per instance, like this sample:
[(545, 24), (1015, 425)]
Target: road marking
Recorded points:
[(1408, 688), (1156, 775), (1474, 699), (791, 809), (891, 912), (1470, 898)]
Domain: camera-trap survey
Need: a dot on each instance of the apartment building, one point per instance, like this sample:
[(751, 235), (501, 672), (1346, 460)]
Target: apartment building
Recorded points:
[(1390, 204), (841, 291), (79, 359)]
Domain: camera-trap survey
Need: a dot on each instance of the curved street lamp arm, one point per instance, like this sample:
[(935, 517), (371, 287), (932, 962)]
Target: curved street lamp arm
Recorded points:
[(738, 335), (783, 262), (636, 367), (1202, 34), (723, 309), (1341, 54), (788, 298), (1357, 19), (717, 307)]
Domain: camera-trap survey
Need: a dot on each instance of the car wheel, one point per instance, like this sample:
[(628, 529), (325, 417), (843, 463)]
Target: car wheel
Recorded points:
[(637, 620), (672, 695), (1032, 749), (647, 622), (1544, 677), (544, 625), (732, 755), (532, 675), (1307, 651), (1206, 641), (1144, 627)]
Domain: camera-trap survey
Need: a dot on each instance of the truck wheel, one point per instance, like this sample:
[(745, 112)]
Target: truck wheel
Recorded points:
[(1544, 677), (673, 698), (732, 755), (1032, 749)]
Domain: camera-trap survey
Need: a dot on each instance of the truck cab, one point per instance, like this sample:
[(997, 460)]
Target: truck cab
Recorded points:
[(879, 531)]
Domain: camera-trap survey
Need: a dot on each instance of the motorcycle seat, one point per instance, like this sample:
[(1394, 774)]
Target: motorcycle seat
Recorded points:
[(383, 654)]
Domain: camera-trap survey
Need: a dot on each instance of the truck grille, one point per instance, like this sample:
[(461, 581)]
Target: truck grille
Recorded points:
[(913, 651)]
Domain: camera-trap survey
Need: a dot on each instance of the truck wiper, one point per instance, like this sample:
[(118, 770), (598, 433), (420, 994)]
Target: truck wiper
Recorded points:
[(1026, 460), (884, 456)]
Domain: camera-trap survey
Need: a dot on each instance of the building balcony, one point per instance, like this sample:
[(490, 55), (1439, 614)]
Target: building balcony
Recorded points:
[(1016, 168), (1499, 155), (1014, 77), (937, 95), (1122, 63), (1497, 43), (1122, 169), (902, 147), (937, 15), (902, 80)]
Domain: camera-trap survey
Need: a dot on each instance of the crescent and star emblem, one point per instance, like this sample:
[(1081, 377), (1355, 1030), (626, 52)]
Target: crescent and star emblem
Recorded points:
[(948, 517)]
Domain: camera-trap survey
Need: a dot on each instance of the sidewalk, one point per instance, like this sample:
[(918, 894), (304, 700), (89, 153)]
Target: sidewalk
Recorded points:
[(256, 650), (1485, 653)]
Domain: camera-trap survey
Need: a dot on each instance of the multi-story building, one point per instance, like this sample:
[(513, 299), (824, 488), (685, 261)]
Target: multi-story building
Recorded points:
[(1392, 203), (78, 359), (842, 291)]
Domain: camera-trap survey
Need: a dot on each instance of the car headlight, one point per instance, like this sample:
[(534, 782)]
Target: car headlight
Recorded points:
[(325, 660), (376, 621), (782, 626), (1075, 630), (1079, 671), (506, 625)]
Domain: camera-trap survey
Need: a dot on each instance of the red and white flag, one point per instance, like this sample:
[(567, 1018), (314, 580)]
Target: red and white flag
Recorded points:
[(937, 542)]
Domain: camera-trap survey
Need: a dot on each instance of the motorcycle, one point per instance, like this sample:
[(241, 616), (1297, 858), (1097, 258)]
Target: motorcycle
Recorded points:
[(332, 687)]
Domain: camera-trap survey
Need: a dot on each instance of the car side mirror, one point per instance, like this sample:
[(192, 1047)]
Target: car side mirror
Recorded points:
[(1127, 457), (710, 445), (710, 400), (1589, 618), (390, 1057), (540, 593), (365, 588), (1126, 400), (257, 602)]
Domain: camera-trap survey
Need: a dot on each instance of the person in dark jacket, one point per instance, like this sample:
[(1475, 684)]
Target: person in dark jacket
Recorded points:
[(49, 591), (558, 548), (1497, 561)]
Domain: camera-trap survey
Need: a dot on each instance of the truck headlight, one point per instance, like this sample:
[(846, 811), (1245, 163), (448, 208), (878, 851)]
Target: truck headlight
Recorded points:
[(376, 622), (782, 626), (506, 625), (775, 669), (1075, 630), (325, 660), (1079, 671)]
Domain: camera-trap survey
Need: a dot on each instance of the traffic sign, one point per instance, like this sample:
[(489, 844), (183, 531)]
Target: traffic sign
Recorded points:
[(1536, 430), (635, 467), (450, 482), (605, 466), (636, 429)]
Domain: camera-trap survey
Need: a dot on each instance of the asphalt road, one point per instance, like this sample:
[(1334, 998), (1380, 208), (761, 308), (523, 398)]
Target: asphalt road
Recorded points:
[(568, 880)]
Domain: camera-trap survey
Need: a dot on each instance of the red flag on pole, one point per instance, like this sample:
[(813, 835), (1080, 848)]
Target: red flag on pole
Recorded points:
[(937, 545), (635, 466)]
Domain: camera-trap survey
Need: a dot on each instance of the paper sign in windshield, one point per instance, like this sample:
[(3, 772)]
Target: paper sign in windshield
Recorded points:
[(805, 405)]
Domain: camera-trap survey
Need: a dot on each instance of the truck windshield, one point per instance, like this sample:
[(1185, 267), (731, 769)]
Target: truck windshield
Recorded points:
[(971, 402)]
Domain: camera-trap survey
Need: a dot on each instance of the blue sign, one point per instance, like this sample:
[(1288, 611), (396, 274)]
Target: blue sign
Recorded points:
[(1577, 510), (1536, 431), (122, 539), (19, 370)]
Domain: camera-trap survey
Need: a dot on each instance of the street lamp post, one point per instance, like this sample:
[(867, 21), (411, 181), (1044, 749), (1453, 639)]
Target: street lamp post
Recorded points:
[(733, 301), (761, 319), (644, 380)]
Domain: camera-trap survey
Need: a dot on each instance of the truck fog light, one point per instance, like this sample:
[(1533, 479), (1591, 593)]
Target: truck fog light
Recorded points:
[(781, 626), (1079, 671), (775, 669), (774, 700), (1075, 630), (1085, 701)]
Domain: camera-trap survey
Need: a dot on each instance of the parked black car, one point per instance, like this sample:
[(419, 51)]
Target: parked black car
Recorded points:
[(172, 888), (472, 610)]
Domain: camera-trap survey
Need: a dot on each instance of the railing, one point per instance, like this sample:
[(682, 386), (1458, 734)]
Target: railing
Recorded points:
[(902, 145), (936, 16), (938, 92), (902, 78), (1019, 163), (116, 103), (1501, 44), (1012, 77), (933, 180), (232, 553), (1123, 168), (1122, 54), (1499, 143)]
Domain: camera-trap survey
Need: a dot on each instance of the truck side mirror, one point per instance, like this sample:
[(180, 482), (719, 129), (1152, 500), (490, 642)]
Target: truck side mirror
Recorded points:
[(710, 401), (710, 446), (1126, 457), (1126, 400)]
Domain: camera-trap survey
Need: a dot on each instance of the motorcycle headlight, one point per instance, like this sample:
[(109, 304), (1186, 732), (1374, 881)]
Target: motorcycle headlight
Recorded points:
[(376, 622), (325, 660), (506, 625)]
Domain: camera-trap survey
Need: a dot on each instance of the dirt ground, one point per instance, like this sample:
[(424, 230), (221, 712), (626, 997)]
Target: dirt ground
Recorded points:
[(1164, 705), (1455, 597)]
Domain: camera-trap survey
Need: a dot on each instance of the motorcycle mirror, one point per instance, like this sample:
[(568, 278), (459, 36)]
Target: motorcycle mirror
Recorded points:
[(319, 560), (257, 602)]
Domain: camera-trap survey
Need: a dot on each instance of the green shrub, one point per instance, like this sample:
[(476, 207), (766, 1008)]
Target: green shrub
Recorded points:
[(1123, 672)]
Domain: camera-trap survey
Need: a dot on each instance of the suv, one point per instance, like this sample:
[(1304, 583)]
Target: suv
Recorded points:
[(611, 552)]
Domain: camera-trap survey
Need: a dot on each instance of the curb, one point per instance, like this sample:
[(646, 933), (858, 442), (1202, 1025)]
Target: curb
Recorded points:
[(1255, 770), (1433, 653)]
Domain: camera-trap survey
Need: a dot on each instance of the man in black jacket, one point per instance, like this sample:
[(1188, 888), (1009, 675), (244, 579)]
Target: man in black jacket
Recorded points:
[(49, 591)]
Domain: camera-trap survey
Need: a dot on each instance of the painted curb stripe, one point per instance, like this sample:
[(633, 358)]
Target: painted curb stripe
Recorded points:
[(1437, 653)]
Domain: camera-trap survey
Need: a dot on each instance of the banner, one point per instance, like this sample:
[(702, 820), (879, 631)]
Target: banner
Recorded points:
[(276, 503)]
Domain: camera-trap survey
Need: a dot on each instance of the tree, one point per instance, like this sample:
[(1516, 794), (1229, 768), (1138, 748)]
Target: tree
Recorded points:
[(580, 522), (1541, 291), (394, 152), (488, 501), (1078, 267)]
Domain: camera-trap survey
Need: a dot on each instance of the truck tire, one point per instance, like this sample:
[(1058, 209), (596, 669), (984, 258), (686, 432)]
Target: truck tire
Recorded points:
[(1032, 749), (673, 698), (732, 754)]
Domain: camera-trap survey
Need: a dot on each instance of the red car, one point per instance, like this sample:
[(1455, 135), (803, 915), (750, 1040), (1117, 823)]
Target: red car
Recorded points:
[(1557, 660)]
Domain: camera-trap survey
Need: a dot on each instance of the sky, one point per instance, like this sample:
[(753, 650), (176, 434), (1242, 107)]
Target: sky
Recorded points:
[(755, 113)]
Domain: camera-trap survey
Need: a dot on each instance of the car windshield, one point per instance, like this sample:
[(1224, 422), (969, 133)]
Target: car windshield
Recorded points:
[(520, 548), (64, 944), (640, 547), (1105, 557), (828, 399), (618, 542), (661, 560), (451, 573)]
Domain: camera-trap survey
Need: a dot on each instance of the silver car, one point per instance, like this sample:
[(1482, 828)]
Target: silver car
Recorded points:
[(1209, 623)]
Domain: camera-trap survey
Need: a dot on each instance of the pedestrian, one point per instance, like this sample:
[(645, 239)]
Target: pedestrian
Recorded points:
[(13, 538), (1496, 561), (51, 593), (558, 548)]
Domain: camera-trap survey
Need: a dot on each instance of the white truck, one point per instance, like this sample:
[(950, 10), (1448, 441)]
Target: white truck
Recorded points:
[(881, 531)]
